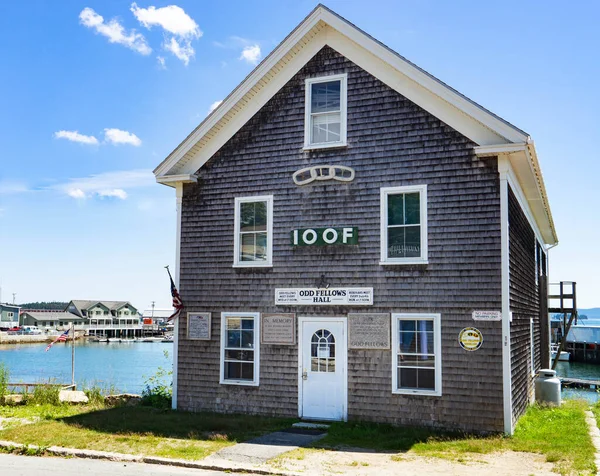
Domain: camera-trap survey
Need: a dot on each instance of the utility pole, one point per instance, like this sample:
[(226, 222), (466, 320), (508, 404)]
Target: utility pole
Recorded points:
[(14, 294)]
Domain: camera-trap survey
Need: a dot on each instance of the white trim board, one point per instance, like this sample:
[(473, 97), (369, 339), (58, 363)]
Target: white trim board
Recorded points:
[(179, 200), (505, 299)]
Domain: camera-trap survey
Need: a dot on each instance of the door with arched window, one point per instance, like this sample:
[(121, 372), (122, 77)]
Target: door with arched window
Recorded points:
[(322, 376)]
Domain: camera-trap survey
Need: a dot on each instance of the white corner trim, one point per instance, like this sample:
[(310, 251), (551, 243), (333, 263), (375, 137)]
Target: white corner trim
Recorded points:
[(256, 349), (437, 348), (179, 200), (503, 168), (236, 227), (383, 202)]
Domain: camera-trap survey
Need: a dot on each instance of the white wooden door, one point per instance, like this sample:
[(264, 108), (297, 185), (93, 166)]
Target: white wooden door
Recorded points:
[(322, 372)]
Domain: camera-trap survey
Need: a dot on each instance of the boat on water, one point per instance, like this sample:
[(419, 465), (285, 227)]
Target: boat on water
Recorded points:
[(168, 338), (151, 339), (564, 355)]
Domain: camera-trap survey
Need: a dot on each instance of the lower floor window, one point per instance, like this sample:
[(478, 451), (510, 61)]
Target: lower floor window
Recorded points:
[(239, 348), (416, 354)]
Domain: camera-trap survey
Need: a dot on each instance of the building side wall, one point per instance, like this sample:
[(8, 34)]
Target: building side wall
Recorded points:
[(524, 305), (391, 142)]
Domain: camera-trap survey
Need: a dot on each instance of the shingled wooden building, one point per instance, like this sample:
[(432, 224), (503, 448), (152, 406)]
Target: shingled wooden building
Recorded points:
[(357, 240)]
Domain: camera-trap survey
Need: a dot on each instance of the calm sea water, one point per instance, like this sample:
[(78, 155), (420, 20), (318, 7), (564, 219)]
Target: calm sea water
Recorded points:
[(124, 367)]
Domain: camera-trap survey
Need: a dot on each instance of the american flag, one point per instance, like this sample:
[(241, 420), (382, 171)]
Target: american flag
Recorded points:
[(60, 338), (177, 303)]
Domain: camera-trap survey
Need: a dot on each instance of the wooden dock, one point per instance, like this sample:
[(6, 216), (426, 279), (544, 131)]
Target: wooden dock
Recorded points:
[(579, 383)]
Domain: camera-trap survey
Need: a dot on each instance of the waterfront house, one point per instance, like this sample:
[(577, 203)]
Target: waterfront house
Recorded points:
[(52, 320), (9, 316), (358, 240), (107, 318)]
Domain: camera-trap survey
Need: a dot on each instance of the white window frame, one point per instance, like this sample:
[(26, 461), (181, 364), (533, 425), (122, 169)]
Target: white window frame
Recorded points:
[(256, 317), (10, 314), (437, 348), (236, 238), (343, 78), (387, 191)]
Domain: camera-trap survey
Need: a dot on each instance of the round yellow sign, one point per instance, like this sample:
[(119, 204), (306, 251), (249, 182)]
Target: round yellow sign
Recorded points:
[(470, 338)]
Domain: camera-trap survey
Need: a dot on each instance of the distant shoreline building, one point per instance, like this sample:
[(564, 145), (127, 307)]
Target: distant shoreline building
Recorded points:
[(9, 316)]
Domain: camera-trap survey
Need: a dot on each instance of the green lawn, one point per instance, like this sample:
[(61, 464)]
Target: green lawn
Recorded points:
[(135, 430)]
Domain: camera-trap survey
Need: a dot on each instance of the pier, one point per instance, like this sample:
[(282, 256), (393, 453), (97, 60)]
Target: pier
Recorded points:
[(579, 383)]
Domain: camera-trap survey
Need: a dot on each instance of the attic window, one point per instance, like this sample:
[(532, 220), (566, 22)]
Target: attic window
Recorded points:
[(325, 115)]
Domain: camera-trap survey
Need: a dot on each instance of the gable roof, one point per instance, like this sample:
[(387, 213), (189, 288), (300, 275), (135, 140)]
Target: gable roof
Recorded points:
[(110, 305), (324, 27), (52, 315)]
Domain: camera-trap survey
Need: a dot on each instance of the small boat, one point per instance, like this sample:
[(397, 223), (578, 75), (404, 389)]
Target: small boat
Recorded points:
[(102, 339), (167, 338), (564, 355), (114, 339), (151, 339)]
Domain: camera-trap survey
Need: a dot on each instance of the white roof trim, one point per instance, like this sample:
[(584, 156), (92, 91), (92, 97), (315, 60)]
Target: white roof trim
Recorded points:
[(493, 130)]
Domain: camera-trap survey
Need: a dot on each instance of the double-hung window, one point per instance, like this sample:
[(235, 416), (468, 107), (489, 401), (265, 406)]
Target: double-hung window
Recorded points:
[(404, 225), (240, 348), (325, 114), (253, 241), (416, 354)]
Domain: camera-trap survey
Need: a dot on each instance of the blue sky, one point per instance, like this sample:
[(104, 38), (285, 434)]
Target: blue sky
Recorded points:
[(80, 214)]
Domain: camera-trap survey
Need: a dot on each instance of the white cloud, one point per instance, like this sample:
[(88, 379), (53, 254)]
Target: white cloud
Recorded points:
[(251, 54), (171, 18), (117, 136), (115, 192), (114, 31), (184, 50), (76, 193), (107, 184), (161, 62), (75, 136), (214, 105), (175, 21)]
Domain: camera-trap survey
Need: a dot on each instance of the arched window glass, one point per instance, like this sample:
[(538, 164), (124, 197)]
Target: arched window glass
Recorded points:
[(323, 351)]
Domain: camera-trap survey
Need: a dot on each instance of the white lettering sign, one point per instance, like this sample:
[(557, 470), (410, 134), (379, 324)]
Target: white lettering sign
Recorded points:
[(487, 315), (324, 297)]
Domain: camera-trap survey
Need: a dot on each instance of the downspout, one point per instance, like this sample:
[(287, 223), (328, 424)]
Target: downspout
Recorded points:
[(503, 168), (179, 198)]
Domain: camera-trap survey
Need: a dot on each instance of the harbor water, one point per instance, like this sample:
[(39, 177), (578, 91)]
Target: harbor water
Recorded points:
[(122, 367), (582, 371)]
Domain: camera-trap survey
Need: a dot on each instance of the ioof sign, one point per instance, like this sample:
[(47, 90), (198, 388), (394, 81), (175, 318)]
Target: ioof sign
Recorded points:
[(324, 297), (325, 236), (278, 329), (198, 325), (368, 331), (487, 315)]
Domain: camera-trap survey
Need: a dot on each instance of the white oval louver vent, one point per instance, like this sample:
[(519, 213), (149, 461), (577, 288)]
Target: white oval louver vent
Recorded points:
[(308, 175)]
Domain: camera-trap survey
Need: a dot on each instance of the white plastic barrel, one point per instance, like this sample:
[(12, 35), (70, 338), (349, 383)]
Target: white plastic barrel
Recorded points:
[(547, 387)]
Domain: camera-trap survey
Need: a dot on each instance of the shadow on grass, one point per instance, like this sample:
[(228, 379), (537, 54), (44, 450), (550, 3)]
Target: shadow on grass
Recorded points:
[(382, 437), (176, 424)]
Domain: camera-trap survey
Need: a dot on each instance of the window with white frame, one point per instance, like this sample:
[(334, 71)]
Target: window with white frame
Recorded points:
[(253, 241), (10, 315), (404, 225), (240, 348), (416, 354), (325, 114)]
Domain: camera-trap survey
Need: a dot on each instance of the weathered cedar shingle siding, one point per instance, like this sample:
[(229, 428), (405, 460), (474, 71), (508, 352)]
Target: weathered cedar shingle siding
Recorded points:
[(524, 304), (391, 142)]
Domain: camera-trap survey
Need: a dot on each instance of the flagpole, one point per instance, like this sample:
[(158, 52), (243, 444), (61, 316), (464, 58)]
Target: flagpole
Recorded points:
[(73, 355)]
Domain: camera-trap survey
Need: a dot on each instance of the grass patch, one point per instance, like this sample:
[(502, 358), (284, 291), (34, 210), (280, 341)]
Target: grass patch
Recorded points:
[(560, 434), (136, 430)]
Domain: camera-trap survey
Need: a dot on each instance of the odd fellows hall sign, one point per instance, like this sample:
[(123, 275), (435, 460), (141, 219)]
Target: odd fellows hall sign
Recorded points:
[(323, 296)]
